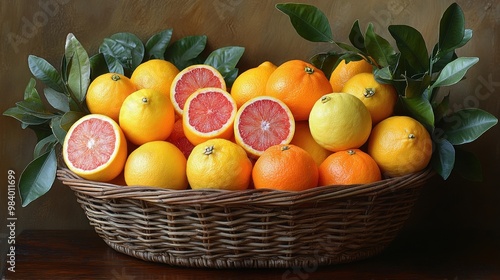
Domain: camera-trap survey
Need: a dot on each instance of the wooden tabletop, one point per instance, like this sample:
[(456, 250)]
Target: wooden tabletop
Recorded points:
[(83, 255)]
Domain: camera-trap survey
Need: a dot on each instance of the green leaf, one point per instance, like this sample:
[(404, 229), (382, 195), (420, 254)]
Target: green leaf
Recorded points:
[(415, 88), (356, 37), (442, 108), (38, 176), (468, 165), (78, 67), (309, 22), (69, 118), (57, 130), (44, 145), (184, 51), (466, 125), (380, 49), (421, 109), (98, 66), (412, 46), (326, 62), (34, 108), (466, 38), (443, 159), (441, 60), (25, 118), (454, 71), (225, 59), (451, 28), (58, 100), (383, 75), (157, 44), (30, 92), (122, 49), (45, 72)]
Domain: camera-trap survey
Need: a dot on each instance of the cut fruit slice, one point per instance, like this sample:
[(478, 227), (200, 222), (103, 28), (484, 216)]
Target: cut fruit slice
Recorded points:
[(95, 148), (190, 80), (262, 122), (208, 113)]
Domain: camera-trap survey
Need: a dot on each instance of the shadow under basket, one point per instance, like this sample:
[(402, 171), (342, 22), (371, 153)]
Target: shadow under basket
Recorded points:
[(252, 228)]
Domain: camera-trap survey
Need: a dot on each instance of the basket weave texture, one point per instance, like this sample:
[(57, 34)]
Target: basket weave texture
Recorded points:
[(252, 228)]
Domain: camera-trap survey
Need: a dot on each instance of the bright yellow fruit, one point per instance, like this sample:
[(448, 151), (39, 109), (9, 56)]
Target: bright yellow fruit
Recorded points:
[(251, 83), (155, 74)]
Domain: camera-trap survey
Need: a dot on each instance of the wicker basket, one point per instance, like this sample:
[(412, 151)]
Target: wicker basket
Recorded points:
[(252, 228)]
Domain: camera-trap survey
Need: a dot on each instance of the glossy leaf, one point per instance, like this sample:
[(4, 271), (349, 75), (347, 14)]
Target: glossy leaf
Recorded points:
[(158, 43), (451, 28), (415, 88), (309, 22), (454, 71), (78, 67), (26, 119), (38, 176), (225, 59), (56, 99), (412, 46), (98, 66), (184, 51), (326, 62), (467, 125), (30, 92), (44, 145), (421, 109), (443, 159), (34, 108), (356, 37), (379, 48), (45, 72), (122, 51), (59, 133)]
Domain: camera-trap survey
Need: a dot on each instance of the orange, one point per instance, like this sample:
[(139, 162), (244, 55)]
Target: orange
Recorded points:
[(303, 138), (400, 145), (192, 78), (156, 74), (262, 122), (208, 113), (179, 139), (285, 167), (106, 93), (95, 148), (156, 164), (219, 164), (344, 71), (147, 115), (340, 121), (380, 99), (348, 167), (298, 84), (251, 83)]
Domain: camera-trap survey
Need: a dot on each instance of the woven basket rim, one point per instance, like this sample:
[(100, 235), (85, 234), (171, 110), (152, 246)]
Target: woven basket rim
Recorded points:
[(264, 197)]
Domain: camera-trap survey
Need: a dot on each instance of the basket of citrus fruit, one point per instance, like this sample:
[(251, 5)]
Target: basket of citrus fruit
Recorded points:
[(179, 159)]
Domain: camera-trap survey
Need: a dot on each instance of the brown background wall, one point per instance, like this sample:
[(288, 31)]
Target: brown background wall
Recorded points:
[(451, 206)]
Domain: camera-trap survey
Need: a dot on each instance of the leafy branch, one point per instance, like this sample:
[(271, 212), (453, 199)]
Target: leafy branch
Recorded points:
[(417, 76), (66, 90)]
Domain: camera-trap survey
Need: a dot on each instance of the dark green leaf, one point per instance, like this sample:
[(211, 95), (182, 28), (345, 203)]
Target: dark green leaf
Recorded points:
[(26, 119), (44, 145), (468, 165), (230, 76), (69, 118), (78, 67), (454, 71), (41, 130), (421, 109), (441, 60), (442, 108), (383, 75), (157, 44), (34, 108), (415, 88), (451, 28), (356, 37), (45, 72), (123, 48), (466, 125), (443, 159), (38, 176), (380, 49), (30, 92), (326, 62), (348, 47), (57, 130), (309, 22), (225, 59), (98, 66), (58, 100), (412, 46), (184, 51)]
